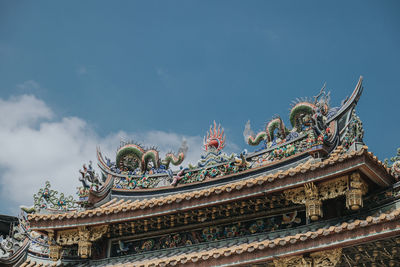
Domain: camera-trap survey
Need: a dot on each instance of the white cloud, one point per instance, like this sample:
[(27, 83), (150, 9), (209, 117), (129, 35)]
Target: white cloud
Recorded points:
[(22, 111), (35, 147)]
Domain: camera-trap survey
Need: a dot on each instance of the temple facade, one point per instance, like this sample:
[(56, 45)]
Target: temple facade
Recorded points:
[(311, 194)]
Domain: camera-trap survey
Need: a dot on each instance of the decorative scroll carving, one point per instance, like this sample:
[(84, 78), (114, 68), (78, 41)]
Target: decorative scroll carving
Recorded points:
[(333, 188), (98, 232), (293, 261), (47, 198), (296, 195), (327, 258), (326, 190), (82, 236)]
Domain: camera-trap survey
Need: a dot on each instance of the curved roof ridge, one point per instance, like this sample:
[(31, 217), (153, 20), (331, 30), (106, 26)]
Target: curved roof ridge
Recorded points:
[(116, 206)]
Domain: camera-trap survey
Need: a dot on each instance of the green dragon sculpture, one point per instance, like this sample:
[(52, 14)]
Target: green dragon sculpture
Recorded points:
[(133, 156), (304, 113)]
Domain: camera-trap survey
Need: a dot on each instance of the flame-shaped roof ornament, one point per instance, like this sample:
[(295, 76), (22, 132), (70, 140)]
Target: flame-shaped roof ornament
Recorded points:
[(215, 138)]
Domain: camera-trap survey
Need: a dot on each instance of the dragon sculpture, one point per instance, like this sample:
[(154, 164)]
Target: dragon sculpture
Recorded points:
[(133, 157), (304, 115)]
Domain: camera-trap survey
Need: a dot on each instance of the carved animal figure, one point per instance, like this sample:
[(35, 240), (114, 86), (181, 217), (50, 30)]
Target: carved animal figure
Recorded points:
[(132, 156)]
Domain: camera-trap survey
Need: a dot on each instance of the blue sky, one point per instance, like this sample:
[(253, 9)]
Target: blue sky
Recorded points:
[(137, 68)]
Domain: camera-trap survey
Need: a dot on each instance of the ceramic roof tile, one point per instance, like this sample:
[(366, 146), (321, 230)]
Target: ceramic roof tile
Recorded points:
[(32, 263), (238, 249), (114, 206)]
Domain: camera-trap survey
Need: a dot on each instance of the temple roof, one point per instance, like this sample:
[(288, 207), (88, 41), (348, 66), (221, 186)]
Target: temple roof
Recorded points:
[(317, 129), (267, 246), (319, 137), (286, 179), (309, 188)]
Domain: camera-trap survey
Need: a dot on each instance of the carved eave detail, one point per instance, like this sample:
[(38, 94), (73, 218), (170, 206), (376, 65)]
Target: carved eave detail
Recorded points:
[(327, 258), (82, 236), (311, 195)]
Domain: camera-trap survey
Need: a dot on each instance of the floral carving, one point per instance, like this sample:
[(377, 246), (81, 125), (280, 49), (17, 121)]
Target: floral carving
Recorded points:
[(47, 198)]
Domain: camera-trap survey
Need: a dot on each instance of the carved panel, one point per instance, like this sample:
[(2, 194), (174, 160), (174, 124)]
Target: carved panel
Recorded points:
[(327, 258), (70, 237), (293, 262), (55, 252), (333, 188), (296, 195), (83, 236), (311, 195)]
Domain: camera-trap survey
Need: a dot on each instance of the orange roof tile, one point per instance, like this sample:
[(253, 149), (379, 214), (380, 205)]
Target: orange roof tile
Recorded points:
[(114, 206), (261, 245), (32, 263)]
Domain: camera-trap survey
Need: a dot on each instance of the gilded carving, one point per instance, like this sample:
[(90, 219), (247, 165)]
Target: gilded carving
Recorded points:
[(54, 249), (84, 249), (54, 252), (357, 189), (50, 234), (357, 183), (312, 201), (311, 191), (311, 195), (333, 188), (295, 261), (97, 232), (327, 258), (296, 195), (68, 237), (83, 236)]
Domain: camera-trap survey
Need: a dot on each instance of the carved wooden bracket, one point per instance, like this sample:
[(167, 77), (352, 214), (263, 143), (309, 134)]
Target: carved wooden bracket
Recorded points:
[(357, 188), (54, 249), (83, 236), (55, 252), (311, 195)]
